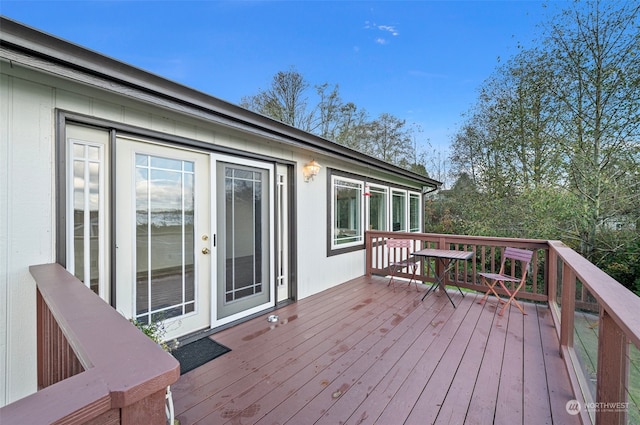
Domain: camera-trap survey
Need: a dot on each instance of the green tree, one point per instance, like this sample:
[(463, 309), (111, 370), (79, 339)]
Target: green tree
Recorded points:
[(508, 143), (555, 137), (594, 49)]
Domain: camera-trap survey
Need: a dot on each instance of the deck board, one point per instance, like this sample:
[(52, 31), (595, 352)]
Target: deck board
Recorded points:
[(536, 408), (360, 353), (455, 406), (510, 390)]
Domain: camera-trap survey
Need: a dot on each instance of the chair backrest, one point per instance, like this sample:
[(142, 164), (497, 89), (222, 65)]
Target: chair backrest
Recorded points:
[(399, 249), (523, 255), (399, 243)]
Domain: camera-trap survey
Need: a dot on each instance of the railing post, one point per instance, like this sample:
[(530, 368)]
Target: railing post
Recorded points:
[(368, 252), (552, 275), (567, 307), (149, 410), (613, 372)]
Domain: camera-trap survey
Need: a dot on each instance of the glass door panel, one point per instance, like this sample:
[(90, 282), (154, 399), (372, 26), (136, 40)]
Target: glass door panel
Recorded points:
[(244, 234), (165, 285), (163, 266)]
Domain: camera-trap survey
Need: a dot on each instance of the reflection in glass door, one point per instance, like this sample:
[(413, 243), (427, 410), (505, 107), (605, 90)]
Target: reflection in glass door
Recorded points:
[(165, 286), (244, 234)]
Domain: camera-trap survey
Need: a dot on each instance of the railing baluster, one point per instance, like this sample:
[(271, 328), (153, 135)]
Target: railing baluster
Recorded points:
[(568, 306)]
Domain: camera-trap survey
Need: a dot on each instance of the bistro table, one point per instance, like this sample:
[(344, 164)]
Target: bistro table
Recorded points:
[(447, 259)]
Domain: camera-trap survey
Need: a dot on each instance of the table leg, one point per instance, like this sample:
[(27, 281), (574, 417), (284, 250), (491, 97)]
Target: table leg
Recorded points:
[(433, 285), (440, 279)]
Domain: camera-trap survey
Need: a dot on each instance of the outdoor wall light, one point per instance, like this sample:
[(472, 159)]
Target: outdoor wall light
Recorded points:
[(310, 170)]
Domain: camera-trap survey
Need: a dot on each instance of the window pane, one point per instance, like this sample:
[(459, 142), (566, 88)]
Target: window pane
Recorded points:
[(244, 214), (87, 206), (86, 213), (347, 212), (414, 212), (378, 209), (164, 237), (399, 208)]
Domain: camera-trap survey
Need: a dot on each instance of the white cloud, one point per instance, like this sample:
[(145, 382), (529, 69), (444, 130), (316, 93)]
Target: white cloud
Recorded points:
[(384, 28), (388, 28)]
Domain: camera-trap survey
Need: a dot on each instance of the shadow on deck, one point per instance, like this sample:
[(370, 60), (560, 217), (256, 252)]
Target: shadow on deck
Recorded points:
[(360, 353)]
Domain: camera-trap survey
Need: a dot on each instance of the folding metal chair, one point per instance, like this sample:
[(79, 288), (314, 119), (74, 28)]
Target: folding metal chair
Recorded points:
[(399, 255), (491, 279)]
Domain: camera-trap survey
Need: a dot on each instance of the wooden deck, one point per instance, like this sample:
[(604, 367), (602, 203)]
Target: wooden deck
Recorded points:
[(361, 353)]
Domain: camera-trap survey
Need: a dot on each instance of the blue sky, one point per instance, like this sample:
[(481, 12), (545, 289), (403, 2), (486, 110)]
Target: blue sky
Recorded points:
[(422, 61)]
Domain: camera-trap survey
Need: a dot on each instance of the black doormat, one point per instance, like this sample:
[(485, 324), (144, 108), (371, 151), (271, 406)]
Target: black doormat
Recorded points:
[(197, 353)]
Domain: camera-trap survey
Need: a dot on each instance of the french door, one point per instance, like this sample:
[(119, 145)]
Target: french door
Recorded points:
[(244, 223), (201, 239), (163, 235)]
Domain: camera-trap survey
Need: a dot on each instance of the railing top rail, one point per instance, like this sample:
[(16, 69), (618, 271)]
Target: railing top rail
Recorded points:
[(619, 302), (75, 399), (471, 240)]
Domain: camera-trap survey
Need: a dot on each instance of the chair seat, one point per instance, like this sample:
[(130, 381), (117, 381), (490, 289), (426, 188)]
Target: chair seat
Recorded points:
[(493, 279), (496, 276), (399, 257), (405, 263)]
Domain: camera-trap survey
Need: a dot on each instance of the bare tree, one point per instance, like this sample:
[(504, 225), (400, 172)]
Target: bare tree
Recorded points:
[(389, 140), (285, 100)]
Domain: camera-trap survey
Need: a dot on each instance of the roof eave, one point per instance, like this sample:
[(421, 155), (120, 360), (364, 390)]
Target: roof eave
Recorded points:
[(37, 43)]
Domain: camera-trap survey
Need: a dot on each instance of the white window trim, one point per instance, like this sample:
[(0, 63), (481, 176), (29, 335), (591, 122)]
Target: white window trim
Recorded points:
[(102, 246), (406, 209), (387, 191), (420, 211), (361, 218), (366, 187)]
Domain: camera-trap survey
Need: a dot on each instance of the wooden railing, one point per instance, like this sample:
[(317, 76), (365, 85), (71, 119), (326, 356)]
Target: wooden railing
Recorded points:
[(487, 259), (573, 279), (571, 285), (93, 365)]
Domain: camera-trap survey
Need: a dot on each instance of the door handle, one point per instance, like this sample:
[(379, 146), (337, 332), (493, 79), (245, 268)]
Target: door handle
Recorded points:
[(205, 250)]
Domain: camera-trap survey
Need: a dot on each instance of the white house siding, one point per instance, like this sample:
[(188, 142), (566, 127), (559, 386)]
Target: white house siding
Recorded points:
[(318, 272), (26, 223), (28, 99)]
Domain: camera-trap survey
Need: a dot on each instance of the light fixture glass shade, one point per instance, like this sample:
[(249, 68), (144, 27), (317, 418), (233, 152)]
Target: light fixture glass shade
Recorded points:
[(310, 170)]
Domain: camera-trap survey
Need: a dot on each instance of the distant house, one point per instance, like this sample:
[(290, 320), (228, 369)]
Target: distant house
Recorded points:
[(169, 203)]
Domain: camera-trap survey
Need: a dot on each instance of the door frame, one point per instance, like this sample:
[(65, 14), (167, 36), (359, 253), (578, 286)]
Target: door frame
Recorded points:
[(116, 129)]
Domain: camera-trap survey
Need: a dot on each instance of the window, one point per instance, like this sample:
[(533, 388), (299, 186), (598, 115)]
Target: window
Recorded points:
[(347, 212), (357, 204), (399, 210), (414, 212), (378, 205), (86, 207)]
